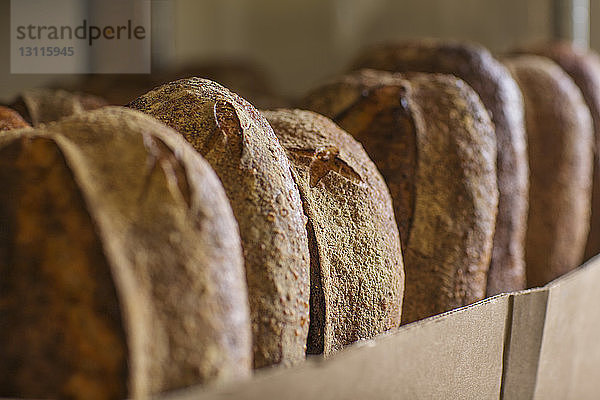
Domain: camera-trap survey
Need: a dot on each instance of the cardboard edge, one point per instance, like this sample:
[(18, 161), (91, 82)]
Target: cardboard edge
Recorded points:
[(458, 353), (527, 314)]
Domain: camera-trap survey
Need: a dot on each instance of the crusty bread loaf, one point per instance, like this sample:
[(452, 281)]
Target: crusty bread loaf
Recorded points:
[(560, 137), (501, 96), (120, 263), (583, 66), (434, 144), (246, 155), (357, 277), (10, 119), (40, 106)]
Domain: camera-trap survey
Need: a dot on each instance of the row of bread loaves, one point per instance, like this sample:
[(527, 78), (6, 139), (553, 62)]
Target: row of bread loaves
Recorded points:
[(188, 238)]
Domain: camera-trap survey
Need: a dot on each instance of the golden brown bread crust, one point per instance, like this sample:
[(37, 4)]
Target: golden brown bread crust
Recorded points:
[(240, 145), (404, 122), (583, 66), (560, 137), (501, 96), (121, 271), (10, 119), (358, 257), (40, 106)]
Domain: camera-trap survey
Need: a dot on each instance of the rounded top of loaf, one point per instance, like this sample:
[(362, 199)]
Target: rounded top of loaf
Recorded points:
[(340, 93), (43, 105), (582, 65), (442, 55), (467, 60), (10, 119), (202, 91), (296, 129), (454, 45), (198, 107), (564, 53), (540, 68)]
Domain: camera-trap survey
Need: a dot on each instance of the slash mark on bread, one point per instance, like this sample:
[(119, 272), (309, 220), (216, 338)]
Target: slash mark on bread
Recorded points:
[(323, 160), (160, 153)]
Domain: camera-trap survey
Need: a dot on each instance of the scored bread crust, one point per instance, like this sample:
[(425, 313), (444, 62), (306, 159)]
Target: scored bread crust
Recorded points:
[(121, 262), (42, 105), (560, 137), (243, 150), (500, 94), (583, 66), (358, 257), (10, 119), (433, 142)]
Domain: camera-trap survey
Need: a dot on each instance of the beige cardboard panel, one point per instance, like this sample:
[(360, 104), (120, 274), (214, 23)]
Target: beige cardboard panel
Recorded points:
[(455, 355), (523, 348), (569, 365)]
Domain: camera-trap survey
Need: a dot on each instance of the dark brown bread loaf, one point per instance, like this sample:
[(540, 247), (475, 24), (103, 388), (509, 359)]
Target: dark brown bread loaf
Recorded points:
[(501, 96), (121, 271), (242, 148), (560, 137), (40, 106), (434, 144), (583, 66), (10, 119), (357, 277)]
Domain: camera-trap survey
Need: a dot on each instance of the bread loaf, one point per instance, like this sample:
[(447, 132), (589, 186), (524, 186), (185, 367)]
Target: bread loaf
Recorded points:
[(501, 96), (357, 277), (242, 148), (583, 66), (40, 106), (434, 144), (560, 137), (10, 119), (121, 271)]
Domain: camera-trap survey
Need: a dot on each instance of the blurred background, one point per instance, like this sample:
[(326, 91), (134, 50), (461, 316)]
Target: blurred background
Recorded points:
[(298, 43)]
